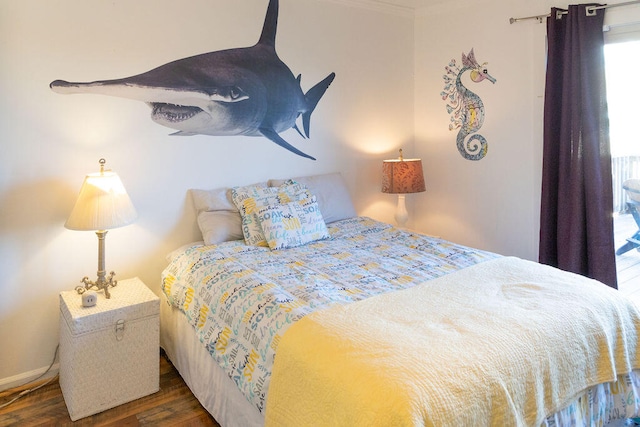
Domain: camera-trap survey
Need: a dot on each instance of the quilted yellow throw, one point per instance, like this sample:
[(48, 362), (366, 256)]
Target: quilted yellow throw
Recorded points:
[(503, 343)]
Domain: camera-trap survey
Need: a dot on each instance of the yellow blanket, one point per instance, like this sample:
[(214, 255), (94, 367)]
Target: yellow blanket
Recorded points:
[(505, 342)]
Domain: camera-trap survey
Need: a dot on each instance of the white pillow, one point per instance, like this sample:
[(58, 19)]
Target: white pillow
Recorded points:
[(292, 224), (220, 226), (218, 217), (332, 194), (250, 198)]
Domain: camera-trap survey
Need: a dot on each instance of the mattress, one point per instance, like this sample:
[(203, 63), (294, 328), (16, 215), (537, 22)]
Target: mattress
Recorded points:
[(287, 285)]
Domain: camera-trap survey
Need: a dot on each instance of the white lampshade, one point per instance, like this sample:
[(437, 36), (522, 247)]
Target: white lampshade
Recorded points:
[(102, 204)]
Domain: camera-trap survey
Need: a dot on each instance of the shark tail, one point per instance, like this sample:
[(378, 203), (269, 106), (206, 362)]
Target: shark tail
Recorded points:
[(313, 97)]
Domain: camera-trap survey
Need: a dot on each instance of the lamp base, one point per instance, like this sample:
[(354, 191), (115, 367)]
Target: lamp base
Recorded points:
[(401, 215), (102, 283)]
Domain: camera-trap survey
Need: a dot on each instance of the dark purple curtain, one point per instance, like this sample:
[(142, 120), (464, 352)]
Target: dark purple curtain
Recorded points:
[(576, 222)]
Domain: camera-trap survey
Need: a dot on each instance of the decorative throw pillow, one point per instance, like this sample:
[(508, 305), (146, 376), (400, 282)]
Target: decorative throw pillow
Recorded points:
[(292, 224), (250, 199)]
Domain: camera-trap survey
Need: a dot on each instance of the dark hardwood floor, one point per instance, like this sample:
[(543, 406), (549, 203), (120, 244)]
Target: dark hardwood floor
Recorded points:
[(173, 405)]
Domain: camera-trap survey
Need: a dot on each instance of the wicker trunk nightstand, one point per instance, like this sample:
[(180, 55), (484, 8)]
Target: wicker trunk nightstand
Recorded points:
[(109, 353)]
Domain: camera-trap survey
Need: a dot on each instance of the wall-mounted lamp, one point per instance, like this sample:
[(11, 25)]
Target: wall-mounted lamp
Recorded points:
[(102, 204), (401, 176)]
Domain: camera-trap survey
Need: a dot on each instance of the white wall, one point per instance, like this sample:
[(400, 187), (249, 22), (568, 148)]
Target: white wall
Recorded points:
[(50, 141), (493, 203)]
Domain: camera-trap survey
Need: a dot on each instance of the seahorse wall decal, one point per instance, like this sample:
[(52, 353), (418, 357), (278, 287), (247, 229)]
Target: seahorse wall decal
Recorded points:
[(465, 107)]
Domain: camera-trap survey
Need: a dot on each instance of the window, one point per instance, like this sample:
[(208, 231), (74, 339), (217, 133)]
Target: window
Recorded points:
[(623, 96)]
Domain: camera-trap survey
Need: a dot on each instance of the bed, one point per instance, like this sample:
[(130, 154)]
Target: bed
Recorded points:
[(375, 325)]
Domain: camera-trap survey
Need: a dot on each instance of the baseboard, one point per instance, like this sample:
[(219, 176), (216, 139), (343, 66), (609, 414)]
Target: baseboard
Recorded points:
[(27, 377)]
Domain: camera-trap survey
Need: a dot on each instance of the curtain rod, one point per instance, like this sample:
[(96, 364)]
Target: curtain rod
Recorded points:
[(591, 10)]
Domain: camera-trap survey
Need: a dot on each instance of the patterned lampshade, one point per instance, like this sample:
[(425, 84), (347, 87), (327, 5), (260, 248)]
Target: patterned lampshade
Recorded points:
[(400, 176), (103, 203)]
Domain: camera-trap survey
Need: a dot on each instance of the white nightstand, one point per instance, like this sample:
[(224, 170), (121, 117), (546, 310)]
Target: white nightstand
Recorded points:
[(109, 353)]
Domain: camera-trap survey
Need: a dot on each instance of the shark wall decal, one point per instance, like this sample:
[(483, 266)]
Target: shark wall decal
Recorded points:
[(242, 91)]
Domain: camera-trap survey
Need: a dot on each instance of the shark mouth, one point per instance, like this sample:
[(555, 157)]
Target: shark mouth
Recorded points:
[(173, 113)]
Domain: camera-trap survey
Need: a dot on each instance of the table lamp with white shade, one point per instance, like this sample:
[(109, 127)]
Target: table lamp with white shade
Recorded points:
[(103, 204)]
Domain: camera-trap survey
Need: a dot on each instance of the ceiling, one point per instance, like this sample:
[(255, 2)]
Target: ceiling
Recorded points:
[(412, 4), (400, 6)]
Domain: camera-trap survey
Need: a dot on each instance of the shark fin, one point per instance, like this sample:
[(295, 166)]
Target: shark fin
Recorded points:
[(312, 97), (273, 136), (299, 131), (268, 35)]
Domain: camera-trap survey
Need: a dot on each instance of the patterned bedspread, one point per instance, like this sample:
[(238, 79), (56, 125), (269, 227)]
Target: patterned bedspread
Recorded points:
[(241, 299)]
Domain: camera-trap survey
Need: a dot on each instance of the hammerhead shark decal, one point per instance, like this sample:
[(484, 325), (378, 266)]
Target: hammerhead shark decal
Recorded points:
[(242, 91)]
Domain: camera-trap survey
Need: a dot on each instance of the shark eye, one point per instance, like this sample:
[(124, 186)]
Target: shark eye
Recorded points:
[(235, 92), (485, 71)]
